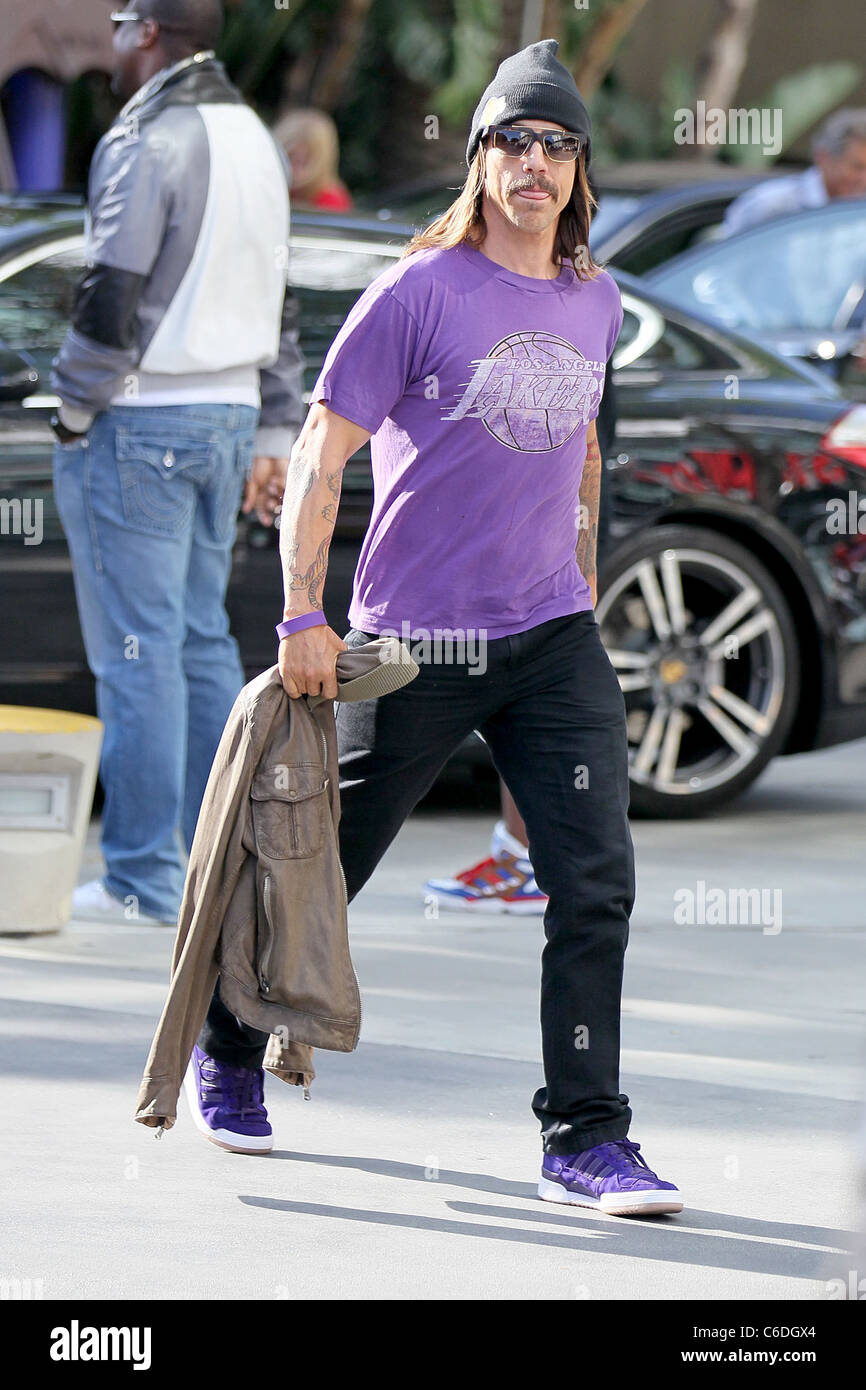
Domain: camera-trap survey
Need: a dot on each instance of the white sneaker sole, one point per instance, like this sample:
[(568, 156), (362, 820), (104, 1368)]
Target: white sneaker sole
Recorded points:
[(491, 905), (223, 1138), (648, 1203), (106, 917)]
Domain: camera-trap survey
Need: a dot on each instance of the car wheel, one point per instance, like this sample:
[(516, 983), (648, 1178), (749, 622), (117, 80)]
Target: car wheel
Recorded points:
[(704, 646)]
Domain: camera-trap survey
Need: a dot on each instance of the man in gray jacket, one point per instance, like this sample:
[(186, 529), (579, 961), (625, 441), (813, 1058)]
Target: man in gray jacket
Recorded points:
[(180, 386)]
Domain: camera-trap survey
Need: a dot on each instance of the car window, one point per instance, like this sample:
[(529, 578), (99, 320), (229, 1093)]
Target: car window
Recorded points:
[(672, 235), (649, 342), (36, 301), (804, 273), (320, 263), (613, 210), (328, 276), (36, 304), (412, 212)]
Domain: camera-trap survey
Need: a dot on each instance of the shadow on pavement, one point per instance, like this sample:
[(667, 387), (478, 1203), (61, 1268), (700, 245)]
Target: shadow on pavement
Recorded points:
[(671, 1241), (716, 1239)]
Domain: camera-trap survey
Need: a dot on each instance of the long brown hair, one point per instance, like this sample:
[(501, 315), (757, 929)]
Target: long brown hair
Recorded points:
[(464, 221)]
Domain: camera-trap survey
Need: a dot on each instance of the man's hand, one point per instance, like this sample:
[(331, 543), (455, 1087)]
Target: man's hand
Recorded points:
[(265, 487), (70, 425), (308, 662)]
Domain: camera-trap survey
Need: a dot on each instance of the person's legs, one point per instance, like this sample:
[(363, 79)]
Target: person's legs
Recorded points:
[(502, 882), (127, 522), (391, 751), (211, 661), (227, 1039), (511, 817), (560, 745)]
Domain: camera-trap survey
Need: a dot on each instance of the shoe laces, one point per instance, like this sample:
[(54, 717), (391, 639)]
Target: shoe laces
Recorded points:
[(627, 1155), (239, 1089), (489, 873)]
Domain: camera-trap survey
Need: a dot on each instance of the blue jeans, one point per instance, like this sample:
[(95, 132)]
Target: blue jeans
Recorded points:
[(149, 501)]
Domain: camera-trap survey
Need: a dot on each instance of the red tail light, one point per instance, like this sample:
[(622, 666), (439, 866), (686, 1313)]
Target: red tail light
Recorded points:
[(846, 439)]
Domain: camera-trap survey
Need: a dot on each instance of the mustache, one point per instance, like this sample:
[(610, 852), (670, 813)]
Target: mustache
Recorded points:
[(532, 186)]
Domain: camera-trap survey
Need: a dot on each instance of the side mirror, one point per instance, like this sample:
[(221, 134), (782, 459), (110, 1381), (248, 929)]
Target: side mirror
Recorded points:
[(18, 376)]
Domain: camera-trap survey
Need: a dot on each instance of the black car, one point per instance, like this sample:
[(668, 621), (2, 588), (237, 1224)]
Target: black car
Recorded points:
[(733, 602)]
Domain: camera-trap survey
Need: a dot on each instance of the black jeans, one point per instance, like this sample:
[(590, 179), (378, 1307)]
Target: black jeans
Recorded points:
[(550, 708)]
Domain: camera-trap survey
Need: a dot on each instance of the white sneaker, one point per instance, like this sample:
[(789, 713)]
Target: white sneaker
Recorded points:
[(504, 882), (92, 902)]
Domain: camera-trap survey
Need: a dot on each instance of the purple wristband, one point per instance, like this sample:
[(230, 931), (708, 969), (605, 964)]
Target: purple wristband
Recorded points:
[(298, 624)]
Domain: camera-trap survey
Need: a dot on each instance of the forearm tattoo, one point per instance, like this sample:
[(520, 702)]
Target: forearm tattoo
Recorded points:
[(313, 577), (590, 492), (298, 528)]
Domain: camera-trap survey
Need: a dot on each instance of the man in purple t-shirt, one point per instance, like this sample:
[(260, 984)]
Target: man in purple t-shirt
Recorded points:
[(475, 366)]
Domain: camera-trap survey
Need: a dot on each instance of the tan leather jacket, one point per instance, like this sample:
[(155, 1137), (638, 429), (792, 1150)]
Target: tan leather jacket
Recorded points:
[(264, 903)]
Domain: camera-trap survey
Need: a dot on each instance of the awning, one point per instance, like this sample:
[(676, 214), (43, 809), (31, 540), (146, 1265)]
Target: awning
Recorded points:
[(63, 38)]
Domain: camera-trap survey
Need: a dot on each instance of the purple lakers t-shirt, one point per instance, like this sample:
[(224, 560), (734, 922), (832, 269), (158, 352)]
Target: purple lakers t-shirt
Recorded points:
[(477, 385)]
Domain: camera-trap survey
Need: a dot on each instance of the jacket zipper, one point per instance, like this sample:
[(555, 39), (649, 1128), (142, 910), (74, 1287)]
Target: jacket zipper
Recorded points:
[(343, 877), (265, 957)]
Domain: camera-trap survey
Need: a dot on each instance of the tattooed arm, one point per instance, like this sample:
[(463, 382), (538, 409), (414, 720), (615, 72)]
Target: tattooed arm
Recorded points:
[(590, 492), (325, 444)]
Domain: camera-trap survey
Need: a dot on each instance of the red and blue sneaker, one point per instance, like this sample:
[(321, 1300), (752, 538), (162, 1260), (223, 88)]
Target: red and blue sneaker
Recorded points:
[(228, 1104), (504, 882), (613, 1177)]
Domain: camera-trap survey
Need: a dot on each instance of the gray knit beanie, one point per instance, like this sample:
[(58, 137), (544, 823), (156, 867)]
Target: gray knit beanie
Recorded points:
[(531, 84)]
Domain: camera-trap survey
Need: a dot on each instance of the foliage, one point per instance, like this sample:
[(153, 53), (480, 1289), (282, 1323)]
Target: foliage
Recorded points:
[(445, 51), (622, 125), (677, 94), (473, 45), (803, 97)]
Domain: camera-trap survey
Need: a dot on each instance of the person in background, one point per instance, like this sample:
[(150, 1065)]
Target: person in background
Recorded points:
[(310, 141), (838, 171), (180, 390), (505, 881)]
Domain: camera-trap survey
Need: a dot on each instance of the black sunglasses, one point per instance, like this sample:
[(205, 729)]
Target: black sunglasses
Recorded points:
[(515, 140)]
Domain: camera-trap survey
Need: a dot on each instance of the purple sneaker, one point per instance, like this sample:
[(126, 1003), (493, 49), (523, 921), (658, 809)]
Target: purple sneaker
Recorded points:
[(613, 1176), (227, 1104)]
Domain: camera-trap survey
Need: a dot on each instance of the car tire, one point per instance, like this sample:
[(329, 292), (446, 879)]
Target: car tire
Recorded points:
[(706, 651)]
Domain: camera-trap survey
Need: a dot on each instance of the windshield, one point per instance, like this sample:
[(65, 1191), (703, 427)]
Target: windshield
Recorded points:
[(806, 272)]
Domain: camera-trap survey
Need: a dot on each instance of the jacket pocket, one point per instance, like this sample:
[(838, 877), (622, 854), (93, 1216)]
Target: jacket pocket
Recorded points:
[(290, 810)]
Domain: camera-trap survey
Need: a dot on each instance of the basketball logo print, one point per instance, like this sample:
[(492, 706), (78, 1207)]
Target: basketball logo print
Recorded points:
[(533, 390)]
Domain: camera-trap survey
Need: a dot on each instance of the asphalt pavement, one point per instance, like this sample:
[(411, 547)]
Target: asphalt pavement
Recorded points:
[(411, 1171)]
